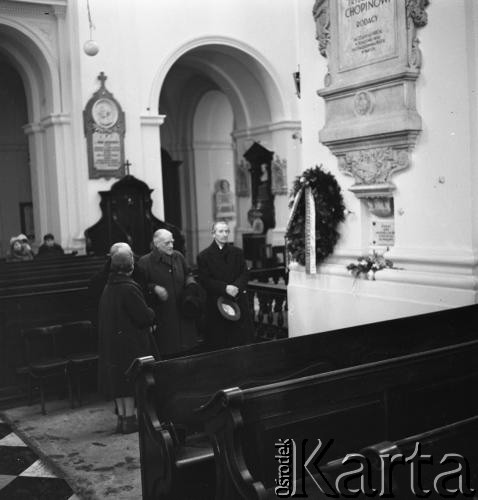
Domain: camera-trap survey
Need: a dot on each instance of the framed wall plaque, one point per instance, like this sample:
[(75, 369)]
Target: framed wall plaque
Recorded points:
[(104, 124)]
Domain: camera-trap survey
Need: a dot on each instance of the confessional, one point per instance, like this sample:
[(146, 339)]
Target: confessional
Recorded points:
[(127, 216)]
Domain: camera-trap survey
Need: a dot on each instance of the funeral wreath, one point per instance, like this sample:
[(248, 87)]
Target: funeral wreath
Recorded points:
[(329, 213)]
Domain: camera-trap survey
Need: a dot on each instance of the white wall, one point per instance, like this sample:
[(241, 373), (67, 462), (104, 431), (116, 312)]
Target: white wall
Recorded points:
[(213, 158), (435, 222), (140, 41)]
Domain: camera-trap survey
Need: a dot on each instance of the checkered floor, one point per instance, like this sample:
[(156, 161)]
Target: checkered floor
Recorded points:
[(23, 476)]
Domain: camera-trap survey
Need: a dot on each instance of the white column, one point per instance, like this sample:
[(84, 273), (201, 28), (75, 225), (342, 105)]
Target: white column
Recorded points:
[(39, 180), (152, 168), (286, 144), (62, 207)]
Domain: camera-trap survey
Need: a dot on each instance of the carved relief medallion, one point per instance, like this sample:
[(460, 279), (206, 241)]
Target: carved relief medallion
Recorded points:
[(363, 103), (375, 165)]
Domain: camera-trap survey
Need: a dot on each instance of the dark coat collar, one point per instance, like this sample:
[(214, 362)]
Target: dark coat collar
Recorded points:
[(158, 256), (215, 248), (115, 279)]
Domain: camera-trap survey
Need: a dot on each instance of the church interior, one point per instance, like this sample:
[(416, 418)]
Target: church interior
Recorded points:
[(338, 141)]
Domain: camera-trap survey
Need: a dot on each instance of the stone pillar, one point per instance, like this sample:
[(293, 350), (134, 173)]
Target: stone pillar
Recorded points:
[(61, 194), (39, 178), (151, 158)]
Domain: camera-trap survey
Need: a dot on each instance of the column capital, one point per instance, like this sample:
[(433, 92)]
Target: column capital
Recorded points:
[(152, 120), (33, 128), (55, 119)]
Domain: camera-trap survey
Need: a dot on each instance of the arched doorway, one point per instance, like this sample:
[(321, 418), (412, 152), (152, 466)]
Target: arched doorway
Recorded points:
[(44, 78), (217, 99), (16, 207)]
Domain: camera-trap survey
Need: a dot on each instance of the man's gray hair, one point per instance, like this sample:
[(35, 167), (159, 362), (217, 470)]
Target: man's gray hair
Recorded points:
[(215, 223), (161, 234)]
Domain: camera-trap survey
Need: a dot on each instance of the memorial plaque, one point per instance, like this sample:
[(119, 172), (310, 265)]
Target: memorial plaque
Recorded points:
[(383, 232), (104, 130), (367, 32)]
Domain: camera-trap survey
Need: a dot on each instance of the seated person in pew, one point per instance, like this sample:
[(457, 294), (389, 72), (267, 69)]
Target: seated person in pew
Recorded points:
[(50, 248), (124, 323), (20, 249)]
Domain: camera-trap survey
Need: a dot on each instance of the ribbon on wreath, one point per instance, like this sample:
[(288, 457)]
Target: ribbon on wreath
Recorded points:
[(310, 248)]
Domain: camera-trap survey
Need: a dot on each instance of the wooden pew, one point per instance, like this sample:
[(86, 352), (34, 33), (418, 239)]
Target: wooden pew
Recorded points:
[(457, 438), (38, 293), (16, 274), (168, 392), (356, 406), (387, 467)]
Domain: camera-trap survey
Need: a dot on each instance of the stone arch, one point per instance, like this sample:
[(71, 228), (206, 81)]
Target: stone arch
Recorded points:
[(36, 59), (246, 56), (256, 96), (33, 60)]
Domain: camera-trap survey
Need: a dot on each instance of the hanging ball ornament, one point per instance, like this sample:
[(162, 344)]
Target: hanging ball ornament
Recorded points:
[(91, 48)]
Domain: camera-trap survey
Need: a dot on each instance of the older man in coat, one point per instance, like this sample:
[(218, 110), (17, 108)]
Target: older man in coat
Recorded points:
[(167, 278), (223, 273)]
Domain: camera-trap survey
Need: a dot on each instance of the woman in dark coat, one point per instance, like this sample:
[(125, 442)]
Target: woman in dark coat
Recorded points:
[(223, 272), (124, 322)]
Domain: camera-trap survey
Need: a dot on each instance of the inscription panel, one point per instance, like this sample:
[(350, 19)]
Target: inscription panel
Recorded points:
[(367, 32), (383, 232), (107, 151)]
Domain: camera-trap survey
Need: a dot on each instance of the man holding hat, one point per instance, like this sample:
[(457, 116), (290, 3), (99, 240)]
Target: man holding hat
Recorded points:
[(223, 274)]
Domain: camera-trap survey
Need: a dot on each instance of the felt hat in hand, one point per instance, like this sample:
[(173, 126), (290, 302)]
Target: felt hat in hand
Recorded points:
[(228, 308)]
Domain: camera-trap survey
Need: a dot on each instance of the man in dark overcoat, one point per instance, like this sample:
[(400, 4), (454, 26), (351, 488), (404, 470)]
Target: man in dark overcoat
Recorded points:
[(223, 273), (167, 276)]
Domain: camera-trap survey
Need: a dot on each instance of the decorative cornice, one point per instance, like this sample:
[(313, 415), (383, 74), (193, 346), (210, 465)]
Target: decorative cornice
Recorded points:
[(152, 120), (430, 278), (33, 128), (55, 119), (292, 125), (382, 81), (31, 8)]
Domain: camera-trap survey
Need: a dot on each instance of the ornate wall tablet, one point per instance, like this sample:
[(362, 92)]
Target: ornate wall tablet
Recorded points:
[(369, 90), (104, 124)]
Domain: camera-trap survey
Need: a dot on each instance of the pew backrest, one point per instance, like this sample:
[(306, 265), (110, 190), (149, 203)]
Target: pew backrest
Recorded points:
[(184, 384), (356, 406)]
